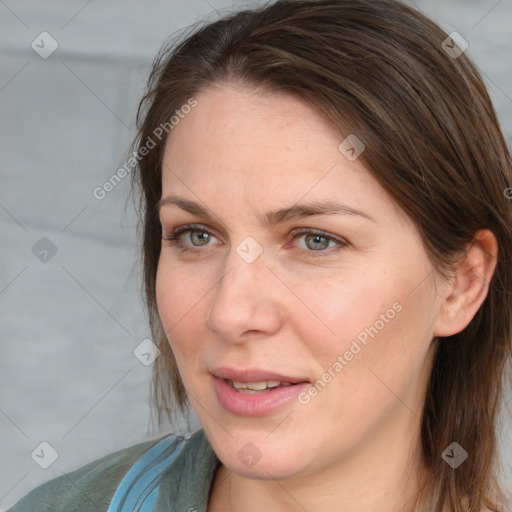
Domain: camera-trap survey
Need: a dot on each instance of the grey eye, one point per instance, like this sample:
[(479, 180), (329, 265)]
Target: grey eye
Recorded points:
[(200, 236), (319, 242)]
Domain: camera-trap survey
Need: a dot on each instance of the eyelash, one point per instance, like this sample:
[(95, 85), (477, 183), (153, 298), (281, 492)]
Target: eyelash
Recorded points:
[(175, 237)]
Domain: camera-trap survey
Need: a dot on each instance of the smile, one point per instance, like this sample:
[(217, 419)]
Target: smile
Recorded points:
[(256, 398), (257, 387)]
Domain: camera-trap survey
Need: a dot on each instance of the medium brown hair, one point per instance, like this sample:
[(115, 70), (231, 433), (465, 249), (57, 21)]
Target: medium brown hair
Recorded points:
[(377, 69)]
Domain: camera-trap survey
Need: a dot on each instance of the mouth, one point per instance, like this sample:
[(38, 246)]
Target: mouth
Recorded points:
[(255, 392), (257, 388)]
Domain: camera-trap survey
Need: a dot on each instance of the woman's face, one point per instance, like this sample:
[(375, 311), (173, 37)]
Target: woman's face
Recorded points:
[(258, 292)]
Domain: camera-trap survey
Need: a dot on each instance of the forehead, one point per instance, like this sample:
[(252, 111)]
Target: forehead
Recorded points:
[(262, 148), (226, 118)]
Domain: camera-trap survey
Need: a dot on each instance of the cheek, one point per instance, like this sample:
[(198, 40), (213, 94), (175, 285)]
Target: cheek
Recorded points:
[(343, 310), (380, 351), (369, 321), (181, 306)]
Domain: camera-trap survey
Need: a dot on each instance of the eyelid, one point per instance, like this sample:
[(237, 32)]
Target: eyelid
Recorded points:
[(202, 227), (176, 232), (320, 232), (341, 242)]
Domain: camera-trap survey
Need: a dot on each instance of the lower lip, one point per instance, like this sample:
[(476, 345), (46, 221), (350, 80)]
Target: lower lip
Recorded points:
[(261, 404)]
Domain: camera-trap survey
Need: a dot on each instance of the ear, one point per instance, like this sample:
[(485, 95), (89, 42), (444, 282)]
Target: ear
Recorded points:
[(469, 285)]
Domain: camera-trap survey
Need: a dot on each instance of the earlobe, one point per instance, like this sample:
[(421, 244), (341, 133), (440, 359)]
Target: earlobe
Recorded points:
[(470, 284)]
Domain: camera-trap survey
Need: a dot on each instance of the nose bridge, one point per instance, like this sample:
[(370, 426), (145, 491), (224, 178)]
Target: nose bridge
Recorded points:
[(238, 285), (243, 294)]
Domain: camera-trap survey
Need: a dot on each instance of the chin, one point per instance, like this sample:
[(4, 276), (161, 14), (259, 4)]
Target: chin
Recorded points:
[(257, 456), (271, 468)]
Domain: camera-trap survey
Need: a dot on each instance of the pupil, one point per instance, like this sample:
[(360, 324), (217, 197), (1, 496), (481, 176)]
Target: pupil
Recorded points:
[(202, 236), (316, 239)]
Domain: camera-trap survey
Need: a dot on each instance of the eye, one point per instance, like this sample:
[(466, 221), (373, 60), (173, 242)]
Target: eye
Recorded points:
[(199, 236), (318, 241)]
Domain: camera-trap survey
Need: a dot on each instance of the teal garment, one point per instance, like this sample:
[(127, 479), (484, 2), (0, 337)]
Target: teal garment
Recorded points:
[(185, 486)]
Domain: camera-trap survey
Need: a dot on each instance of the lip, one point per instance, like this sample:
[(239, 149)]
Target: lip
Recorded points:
[(252, 375), (263, 404)]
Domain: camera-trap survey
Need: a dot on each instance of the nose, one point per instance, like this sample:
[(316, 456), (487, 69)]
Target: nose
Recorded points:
[(247, 300)]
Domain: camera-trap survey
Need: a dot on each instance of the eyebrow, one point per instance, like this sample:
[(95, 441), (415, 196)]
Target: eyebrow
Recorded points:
[(297, 211)]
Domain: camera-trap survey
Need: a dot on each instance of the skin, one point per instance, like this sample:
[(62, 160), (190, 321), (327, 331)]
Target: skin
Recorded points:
[(354, 446)]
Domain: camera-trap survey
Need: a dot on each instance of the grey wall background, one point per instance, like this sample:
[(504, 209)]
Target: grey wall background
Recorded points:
[(70, 321)]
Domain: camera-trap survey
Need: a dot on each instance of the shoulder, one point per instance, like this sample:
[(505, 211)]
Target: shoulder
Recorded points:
[(88, 489)]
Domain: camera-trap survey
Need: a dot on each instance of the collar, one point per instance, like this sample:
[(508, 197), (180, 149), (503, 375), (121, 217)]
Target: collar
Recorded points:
[(185, 486)]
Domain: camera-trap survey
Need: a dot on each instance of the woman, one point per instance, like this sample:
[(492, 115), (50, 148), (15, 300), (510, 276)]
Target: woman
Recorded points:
[(327, 244)]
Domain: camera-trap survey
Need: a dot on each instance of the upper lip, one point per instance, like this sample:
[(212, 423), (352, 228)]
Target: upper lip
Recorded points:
[(253, 375)]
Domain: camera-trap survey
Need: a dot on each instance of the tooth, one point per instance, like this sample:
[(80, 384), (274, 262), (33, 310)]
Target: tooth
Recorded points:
[(249, 387), (257, 386)]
